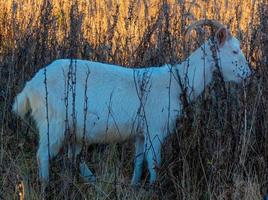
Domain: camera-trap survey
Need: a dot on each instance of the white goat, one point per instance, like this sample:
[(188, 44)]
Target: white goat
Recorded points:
[(118, 106)]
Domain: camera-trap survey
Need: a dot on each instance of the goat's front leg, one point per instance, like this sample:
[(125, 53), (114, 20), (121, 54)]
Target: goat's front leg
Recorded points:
[(139, 157)]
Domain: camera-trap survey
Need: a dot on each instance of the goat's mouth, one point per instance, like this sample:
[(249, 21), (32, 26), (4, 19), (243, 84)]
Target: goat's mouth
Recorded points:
[(245, 77), (246, 82)]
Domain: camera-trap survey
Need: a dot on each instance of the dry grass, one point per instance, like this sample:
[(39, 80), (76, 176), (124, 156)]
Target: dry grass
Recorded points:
[(220, 148)]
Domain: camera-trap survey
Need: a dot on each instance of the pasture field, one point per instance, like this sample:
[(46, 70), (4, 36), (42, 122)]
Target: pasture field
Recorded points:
[(219, 149)]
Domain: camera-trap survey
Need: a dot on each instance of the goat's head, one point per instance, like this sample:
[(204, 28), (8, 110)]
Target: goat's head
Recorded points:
[(231, 60)]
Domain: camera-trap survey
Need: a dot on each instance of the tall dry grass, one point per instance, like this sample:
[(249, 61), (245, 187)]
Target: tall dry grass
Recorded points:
[(220, 148)]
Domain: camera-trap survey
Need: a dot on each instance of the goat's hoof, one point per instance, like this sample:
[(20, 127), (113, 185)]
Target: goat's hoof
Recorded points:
[(89, 179), (135, 185)]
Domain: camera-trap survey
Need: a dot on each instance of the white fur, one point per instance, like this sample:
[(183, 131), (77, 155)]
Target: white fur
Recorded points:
[(114, 112)]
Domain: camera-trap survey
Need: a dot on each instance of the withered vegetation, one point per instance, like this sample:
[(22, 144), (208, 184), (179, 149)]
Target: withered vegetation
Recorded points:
[(220, 147)]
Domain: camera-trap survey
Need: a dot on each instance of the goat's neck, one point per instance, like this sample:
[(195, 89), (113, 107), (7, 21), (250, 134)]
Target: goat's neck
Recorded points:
[(196, 71)]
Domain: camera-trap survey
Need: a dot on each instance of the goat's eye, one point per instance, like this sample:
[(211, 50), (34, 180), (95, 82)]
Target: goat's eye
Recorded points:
[(235, 52)]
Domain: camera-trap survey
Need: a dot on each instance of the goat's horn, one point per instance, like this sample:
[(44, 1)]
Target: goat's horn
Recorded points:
[(203, 22)]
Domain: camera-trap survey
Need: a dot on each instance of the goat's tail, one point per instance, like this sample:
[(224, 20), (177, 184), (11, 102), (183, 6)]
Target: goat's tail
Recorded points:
[(21, 105)]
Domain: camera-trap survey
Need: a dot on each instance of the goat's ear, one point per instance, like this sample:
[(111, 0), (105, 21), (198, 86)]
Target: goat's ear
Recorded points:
[(222, 35)]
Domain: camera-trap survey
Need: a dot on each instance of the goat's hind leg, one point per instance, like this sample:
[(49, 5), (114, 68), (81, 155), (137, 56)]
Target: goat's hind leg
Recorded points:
[(85, 172), (43, 163), (153, 157), (45, 154), (138, 160)]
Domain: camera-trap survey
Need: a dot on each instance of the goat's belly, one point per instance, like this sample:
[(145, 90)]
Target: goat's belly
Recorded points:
[(108, 137), (104, 126), (111, 134)]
